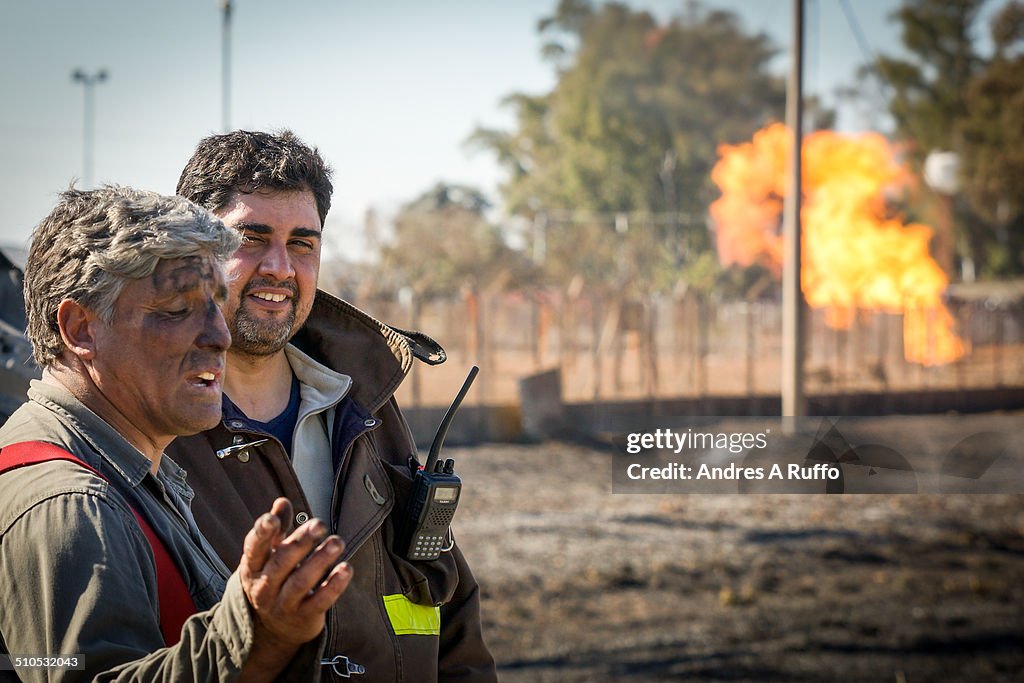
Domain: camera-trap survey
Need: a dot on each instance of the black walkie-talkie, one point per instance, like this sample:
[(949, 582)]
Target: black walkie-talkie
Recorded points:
[(435, 494)]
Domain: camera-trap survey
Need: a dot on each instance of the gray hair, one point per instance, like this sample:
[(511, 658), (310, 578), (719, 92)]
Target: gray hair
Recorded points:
[(95, 241)]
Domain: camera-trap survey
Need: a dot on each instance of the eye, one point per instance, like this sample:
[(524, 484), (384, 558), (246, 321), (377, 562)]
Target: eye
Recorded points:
[(302, 245), (176, 313), (250, 238)]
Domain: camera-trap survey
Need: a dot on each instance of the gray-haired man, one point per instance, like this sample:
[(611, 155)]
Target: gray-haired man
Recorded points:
[(123, 291)]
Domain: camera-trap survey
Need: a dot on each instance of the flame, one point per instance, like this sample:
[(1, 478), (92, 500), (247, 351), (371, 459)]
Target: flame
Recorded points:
[(854, 256)]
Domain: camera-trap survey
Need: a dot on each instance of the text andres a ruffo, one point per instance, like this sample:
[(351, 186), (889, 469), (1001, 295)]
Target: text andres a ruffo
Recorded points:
[(793, 471)]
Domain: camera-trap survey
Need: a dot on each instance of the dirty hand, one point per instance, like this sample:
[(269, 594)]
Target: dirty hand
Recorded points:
[(283, 577)]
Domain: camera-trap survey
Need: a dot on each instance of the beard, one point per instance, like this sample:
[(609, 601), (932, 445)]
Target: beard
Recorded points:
[(258, 335)]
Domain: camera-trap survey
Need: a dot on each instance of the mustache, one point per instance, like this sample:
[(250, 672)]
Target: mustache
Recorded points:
[(256, 283), (207, 361)]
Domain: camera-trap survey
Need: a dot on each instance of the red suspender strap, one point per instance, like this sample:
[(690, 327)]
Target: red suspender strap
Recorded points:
[(175, 601)]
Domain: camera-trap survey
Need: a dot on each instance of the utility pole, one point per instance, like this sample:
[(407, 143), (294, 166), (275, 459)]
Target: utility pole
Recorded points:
[(794, 402), (88, 81), (225, 64)]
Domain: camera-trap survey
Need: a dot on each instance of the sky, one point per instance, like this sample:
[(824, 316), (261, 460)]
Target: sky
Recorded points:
[(388, 90)]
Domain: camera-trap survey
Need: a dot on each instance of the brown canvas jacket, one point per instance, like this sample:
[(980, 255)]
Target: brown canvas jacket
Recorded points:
[(237, 471), (78, 575)]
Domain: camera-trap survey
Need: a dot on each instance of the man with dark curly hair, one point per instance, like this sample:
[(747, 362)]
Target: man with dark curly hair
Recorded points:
[(310, 414)]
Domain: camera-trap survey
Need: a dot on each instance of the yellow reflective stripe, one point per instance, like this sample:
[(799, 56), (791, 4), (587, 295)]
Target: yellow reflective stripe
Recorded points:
[(408, 618)]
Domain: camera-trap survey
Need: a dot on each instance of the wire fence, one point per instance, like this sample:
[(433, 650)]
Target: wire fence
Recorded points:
[(693, 346)]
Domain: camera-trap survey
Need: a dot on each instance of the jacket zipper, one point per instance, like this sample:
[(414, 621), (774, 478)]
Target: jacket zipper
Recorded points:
[(350, 550)]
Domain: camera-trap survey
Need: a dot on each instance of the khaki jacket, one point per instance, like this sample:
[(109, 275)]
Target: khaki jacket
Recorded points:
[(398, 620), (79, 576)]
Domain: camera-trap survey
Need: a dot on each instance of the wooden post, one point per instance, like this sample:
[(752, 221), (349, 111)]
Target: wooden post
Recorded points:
[(702, 345), (750, 346), (651, 338)]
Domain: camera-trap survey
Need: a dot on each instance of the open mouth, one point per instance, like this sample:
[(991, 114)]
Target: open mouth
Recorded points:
[(205, 379)]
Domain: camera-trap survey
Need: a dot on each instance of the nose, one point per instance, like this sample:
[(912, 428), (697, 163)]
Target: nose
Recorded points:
[(276, 263), (215, 335)]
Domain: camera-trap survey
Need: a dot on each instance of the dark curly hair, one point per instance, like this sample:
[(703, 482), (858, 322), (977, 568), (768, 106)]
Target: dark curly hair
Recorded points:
[(247, 161)]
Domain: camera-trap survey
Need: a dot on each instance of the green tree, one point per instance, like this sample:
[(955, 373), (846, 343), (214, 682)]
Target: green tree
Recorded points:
[(947, 96), (993, 143), (632, 128), (443, 243), (929, 88)]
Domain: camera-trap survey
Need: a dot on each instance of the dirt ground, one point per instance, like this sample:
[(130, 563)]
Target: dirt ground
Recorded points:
[(582, 585)]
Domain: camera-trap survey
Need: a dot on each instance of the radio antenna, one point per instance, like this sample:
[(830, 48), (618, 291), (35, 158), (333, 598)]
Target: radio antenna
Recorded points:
[(442, 430)]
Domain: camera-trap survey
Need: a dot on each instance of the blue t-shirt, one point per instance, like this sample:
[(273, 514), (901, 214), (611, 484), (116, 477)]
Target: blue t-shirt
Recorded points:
[(281, 427)]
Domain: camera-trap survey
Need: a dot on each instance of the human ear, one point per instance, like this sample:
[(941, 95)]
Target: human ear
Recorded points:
[(75, 323)]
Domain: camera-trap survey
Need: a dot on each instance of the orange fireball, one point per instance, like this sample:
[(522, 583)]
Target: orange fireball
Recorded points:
[(854, 255)]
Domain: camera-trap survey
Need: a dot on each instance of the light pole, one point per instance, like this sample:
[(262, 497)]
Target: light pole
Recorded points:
[(89, 125), (225, 64), (794, 401)]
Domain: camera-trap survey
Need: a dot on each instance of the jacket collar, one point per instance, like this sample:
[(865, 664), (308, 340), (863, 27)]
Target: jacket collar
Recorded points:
[(321, 386), (106, 442), (376, 356)]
